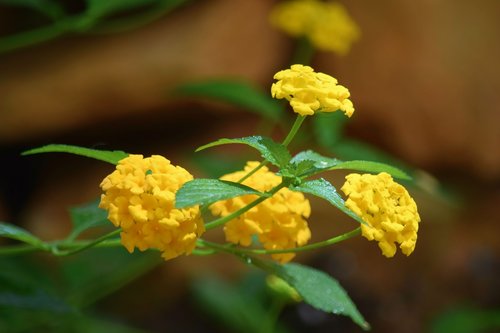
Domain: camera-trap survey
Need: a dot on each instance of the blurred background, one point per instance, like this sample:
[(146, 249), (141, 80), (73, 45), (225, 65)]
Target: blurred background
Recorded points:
[(425, 81)]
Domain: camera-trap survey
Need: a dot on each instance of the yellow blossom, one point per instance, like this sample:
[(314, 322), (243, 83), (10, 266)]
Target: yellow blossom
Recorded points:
[(140, 198), (327, 25), (278, 222), (387, 208), (309, 92)]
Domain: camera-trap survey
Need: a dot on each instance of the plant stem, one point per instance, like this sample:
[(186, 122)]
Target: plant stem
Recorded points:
[(291, 134), (254, 170), (304, 52), (231, 249), (293, 131), (57, 252), (224, 219), (19, 249)]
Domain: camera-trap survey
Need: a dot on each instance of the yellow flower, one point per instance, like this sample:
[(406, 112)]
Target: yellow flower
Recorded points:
[(309, 92), (387, 208), (327, 25), (140, 198), (279, 222)]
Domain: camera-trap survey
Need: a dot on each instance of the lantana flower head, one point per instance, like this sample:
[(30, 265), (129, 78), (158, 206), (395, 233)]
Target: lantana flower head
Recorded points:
[(140, 198), (310, 92), (279, 222), (387, 208), (327, 25)]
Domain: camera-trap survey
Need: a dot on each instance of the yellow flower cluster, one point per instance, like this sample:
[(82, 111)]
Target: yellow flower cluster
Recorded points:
[(327, 25), (309, 92), (279, 222), (387, 207), (140, 198)]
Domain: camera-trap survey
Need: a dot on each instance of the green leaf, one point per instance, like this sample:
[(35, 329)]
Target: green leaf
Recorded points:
[(206, 191), (372, 167), (316, 289), (467, 319), (87, 216), (309, 162), (349, 149), (99, 8), (98, 272), (237, 93), (46, 7), (325, 190), (112, 157), (14, 232), (234, 306), (270, 150), (323, 163)]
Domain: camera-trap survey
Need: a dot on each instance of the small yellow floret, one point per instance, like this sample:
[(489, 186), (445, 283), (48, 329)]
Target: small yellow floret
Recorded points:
[(309, 92), (279, 222), (327, 25), (386, 206), (139, 196)]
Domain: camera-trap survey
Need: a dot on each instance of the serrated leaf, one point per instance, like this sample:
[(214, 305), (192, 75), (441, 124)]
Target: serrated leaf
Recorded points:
[(206, 191), (372, 167), (270, 150), (323, 163), (349, 149), (11, 231), (325, 190), (87, 216), (237, 93), (309, 162), (112, 157), (316, 289)]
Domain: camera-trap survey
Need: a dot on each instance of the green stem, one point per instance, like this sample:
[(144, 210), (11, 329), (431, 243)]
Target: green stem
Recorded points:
[(231, 249), (293, 131), (19, 249), (291, 134), (254, 170), (57, 252), (222, 220), (304, 52)]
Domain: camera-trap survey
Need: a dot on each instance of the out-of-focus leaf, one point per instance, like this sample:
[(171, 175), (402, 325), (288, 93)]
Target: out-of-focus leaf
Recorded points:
[(237, 93), (112, 157), (216, 165), (14, 232), (349, 149), (325, 190), (98, 8), (95, 273), (27, 290), (205, 191), (316, 289), (87, 216), (372, 167), (270, 150), (467, 319), (49, 8), (328, 127), (239, 310)]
